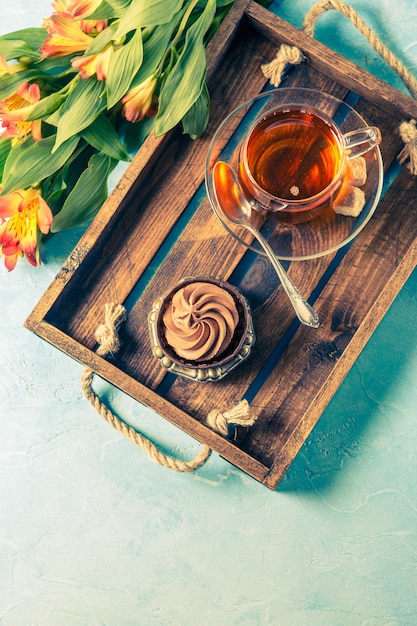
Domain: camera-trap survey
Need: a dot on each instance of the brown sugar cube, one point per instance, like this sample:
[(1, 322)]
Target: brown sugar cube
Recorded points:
[(350, 201), (356, 171)]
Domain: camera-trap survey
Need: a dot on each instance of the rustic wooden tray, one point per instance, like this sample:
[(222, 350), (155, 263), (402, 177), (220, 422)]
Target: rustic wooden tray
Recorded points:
[(157, 226)]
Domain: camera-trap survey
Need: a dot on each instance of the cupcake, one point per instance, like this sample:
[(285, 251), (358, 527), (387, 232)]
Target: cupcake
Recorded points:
[(201, 328)]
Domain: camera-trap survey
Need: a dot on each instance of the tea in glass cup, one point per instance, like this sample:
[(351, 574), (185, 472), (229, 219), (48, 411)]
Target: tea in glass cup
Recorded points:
[(293, 160)]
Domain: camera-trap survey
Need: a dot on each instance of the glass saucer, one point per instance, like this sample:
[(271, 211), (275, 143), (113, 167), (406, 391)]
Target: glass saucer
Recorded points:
[(329, 231)]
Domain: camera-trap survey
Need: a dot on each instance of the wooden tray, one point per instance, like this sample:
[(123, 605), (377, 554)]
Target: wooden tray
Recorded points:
[(157, 226)]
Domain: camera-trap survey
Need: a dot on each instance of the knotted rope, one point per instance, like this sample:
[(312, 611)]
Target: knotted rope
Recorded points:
[(291, 55), (286, 55), (108, 343), (408, 132)]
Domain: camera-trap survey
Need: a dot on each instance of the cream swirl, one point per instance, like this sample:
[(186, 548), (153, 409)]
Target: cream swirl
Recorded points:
[(200, 321)]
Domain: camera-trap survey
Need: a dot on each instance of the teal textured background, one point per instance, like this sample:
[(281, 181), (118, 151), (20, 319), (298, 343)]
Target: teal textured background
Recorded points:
[(92, 532)]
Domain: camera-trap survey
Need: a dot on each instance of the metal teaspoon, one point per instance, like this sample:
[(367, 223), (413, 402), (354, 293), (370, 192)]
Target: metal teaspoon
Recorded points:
[(237, 210)]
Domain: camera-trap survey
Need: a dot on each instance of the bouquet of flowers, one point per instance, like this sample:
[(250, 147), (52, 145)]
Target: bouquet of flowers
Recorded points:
[(81, 93)]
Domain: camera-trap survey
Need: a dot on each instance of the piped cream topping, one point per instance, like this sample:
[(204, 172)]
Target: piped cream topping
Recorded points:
[(200, 321)]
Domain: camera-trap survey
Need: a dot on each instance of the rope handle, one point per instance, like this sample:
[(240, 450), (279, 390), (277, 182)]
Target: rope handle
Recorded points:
[(291, 55), (108, 344)]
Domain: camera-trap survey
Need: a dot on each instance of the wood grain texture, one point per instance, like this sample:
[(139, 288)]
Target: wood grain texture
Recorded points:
[(159, 204)]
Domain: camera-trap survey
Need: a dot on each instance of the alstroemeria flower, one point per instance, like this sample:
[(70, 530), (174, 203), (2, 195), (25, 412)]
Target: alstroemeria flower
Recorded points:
[(97, 64), (11, 258), (93, 26), (15, 109), (77, 8), (60, 6), (65, 36), (141, 101), (23, 215)]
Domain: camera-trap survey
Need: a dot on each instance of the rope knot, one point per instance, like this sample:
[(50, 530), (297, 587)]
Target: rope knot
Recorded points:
[(275, 69), (218, 421), (408, 132), (240, 415), (106, 334)]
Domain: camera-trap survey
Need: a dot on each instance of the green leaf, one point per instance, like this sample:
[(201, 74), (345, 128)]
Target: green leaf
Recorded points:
[(10, 82), (28, 39), (29, 163), (110, 9), (87, 196), (56, 188), (184, 84), (196, 119), (136, 134), (83, 106), (53, 119), (147, 13), (122, 69), (52, 65), (5, 145), (103, 137), (118, 6), (52, 191), (106, 36), (103, 12), (154, 48), (46, 106), (15, 49)]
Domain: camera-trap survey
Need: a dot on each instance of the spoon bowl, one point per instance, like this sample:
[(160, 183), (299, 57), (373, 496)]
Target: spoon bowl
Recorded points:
[(236, 208)]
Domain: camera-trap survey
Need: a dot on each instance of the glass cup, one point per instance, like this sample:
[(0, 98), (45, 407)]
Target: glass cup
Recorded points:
[(293, 161)]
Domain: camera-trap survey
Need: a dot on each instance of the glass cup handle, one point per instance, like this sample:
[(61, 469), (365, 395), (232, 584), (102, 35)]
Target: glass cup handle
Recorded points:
[(359, 141)]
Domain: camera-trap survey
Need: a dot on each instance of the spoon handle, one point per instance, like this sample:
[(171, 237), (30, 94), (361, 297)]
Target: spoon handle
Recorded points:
[(304, 311)]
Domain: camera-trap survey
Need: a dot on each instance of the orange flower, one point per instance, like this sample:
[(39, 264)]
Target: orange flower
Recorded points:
[(97, 64), (93, 26), (141, 101), (76, 8), (60, 6), (15, 109), (23, 216), (65, 36)]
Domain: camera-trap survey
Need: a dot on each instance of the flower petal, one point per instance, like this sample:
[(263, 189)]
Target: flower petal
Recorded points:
[(9, 204)]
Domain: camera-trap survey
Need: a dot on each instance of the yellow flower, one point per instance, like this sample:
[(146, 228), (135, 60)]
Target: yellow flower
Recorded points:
[(15, 109), (76, 8), (23, 216), (141, 101), (93, 26), (97, 64), (80, 9), (65, 36), (60, 6)]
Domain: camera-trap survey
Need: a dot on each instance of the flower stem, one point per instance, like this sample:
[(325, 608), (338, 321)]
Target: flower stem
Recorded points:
[(171, 50)]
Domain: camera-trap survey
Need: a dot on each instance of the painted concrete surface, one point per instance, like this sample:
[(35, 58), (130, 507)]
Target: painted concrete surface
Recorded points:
[(92, 532)]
